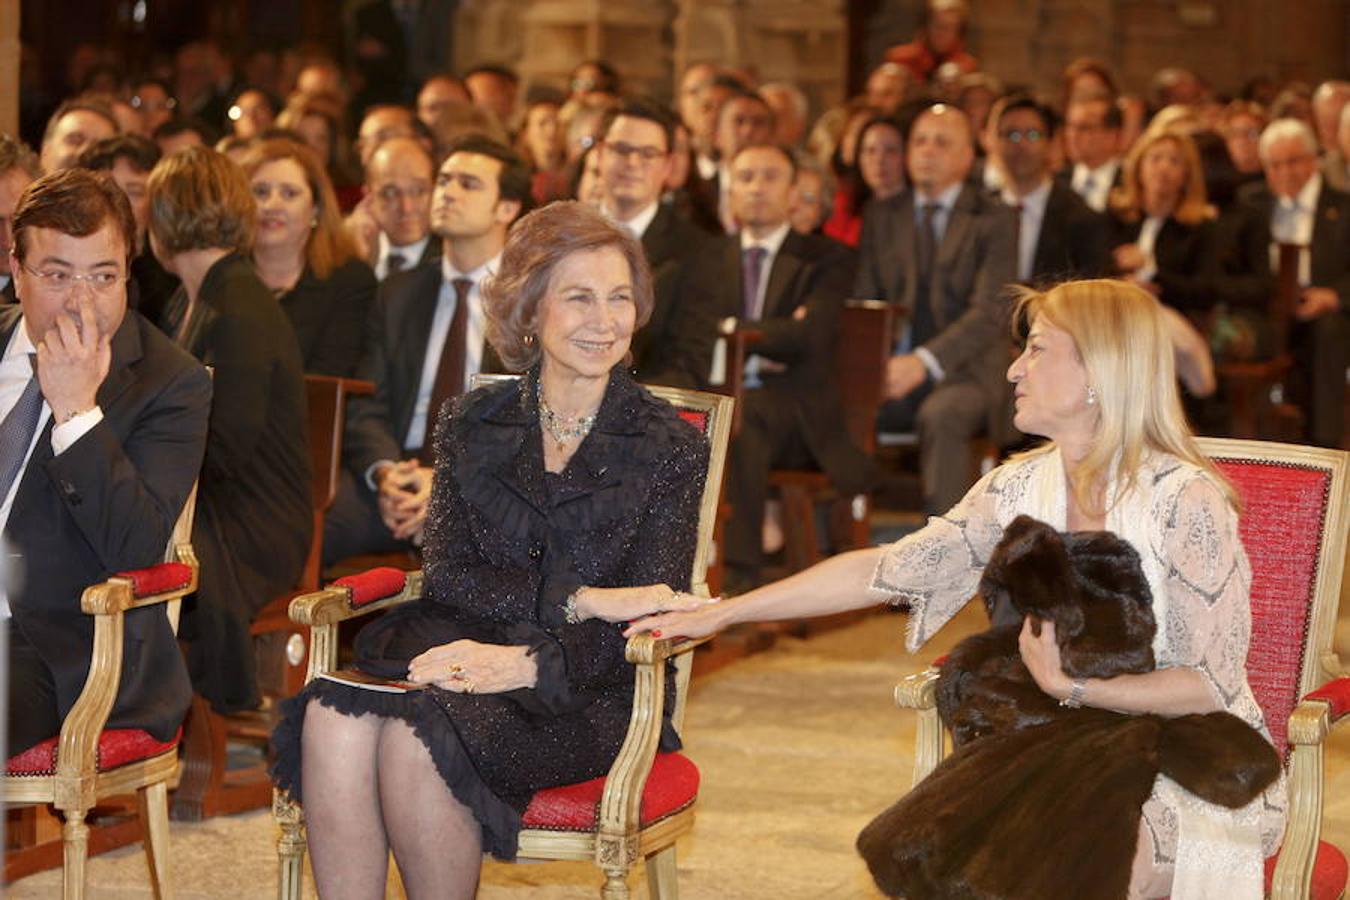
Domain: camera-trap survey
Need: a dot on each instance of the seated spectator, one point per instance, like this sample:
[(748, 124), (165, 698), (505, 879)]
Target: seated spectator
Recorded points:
[(179, 134), (397, 208), (154, 99), (130, 159), (75, 125), (540, 143), (940, 43), (1059, 237), (19, 168), (1087, 79), (494, 88), (1092, 146), (304, 256), (320, 121), (110, 431), (790, 109), (594, 79), (379, 124), (975, 94), (1336, 164), (588, 186), (945, 250), (439, 93), (1241, 125), (887, 88), (792, 288), (424, 344), (743, 120), (635, 156), (252, 112), (841, 153), (254, 511), (1330, 98), (1295, 205), (814, 196), (1163, 229)]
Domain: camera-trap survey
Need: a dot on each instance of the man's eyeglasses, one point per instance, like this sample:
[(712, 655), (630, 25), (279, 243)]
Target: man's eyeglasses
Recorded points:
[(1029, 135), (60, 280), (623, 151), (391, 195)]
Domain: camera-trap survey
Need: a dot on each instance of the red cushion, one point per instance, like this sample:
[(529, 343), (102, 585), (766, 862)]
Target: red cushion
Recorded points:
[(1281, 530), (1329, 872), (371, 585), (1336, 693), (695, 417), (672, 786), (158, 579), (116, 747)]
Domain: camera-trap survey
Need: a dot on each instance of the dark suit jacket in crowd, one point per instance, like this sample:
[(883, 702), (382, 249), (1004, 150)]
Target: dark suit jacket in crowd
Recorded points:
[(662, 353), (396, 350), (704, 196), (329, 316), (254, 510), (1186, 257), (1246, 264), (977, 258), (393, 75), (1073, 240), (810, 277), (108, 504)]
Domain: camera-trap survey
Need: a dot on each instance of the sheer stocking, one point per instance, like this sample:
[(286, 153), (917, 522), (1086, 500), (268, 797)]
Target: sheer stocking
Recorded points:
[(342, 805), (437, 841)]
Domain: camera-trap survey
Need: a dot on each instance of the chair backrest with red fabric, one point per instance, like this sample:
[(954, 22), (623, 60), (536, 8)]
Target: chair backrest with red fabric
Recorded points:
[(1293, 530)]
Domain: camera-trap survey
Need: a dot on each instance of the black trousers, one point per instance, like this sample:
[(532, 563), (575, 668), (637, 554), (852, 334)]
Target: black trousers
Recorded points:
[(31, 715), (353, 525)]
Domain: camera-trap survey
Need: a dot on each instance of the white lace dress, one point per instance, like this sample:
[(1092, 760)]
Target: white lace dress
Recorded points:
[(1187, 538)]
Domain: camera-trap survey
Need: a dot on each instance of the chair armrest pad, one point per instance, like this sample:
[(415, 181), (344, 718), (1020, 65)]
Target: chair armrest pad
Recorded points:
[(367, 587), (1336, 694), (169, 576)]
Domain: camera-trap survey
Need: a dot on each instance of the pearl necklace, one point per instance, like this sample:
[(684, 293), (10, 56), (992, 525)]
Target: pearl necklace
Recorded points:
[(561, 428)]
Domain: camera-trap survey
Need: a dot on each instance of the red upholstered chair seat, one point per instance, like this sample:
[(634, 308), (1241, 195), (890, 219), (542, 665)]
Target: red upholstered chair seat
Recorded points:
[(671, 787), (116, 747), (1329, 872)]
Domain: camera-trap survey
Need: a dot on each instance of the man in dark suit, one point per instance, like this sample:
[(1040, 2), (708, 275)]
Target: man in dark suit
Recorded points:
[(1059, 237), (1092, 144), (99, 448), (944, 250), (397, 44), (18, 168), (635, 159), (1295, 206), (425, 341), (398, 201), (791, 287)]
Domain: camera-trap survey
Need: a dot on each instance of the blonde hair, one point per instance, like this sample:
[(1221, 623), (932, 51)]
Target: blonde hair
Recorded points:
[(1121, 338), (1128, 199)]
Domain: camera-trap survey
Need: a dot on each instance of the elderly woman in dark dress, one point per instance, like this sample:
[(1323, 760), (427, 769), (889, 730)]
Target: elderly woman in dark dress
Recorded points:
[(551, 495)]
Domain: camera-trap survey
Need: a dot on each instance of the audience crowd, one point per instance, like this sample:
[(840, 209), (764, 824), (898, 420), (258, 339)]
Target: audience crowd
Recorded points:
[(310, 221)]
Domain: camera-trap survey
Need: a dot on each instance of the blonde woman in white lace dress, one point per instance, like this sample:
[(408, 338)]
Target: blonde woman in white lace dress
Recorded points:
[(1097, 379)]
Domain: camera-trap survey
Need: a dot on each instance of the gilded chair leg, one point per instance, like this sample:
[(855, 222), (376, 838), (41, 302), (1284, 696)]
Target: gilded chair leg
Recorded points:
[(75, 843), (152, 802), (662, 881), (290, 849), (616, 885)]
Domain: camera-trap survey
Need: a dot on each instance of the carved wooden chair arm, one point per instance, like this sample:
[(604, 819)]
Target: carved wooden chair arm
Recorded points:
[(919, 693), (347, 598), (107, 602), (1309, 724)]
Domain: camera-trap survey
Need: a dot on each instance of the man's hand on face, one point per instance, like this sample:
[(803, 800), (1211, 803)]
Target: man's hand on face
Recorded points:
[(73, 358)]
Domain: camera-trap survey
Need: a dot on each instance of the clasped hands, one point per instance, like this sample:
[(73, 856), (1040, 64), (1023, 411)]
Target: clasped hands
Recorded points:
[(404, 491)]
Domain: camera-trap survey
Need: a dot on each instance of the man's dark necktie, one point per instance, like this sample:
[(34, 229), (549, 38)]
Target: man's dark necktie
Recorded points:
[(925, 260), (450, 371), (16, 433), (752, 264), (394, 262)]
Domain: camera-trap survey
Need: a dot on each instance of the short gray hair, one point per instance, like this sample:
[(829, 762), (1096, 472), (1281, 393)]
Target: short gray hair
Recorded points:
[(1282, 129)]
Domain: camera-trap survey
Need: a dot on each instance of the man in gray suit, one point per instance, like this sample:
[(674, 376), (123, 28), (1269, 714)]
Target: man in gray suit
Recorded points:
[(945, 251)]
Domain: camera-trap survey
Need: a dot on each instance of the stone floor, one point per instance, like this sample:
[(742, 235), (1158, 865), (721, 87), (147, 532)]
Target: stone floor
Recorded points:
[(799, 747)]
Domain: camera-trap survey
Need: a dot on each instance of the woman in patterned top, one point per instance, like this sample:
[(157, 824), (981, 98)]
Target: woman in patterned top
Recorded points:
[(1096, 379)]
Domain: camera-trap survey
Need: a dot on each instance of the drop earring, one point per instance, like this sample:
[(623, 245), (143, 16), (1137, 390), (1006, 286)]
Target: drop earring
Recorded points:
[(1091, 396)]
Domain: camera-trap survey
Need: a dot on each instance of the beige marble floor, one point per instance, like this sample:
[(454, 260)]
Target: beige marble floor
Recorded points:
[(799, 747)]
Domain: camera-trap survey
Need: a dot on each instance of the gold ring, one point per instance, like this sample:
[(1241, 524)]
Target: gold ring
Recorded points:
[(468, 685)]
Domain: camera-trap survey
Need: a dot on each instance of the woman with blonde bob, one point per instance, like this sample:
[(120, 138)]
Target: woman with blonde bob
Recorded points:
[(1096, 379), (1163, 227), (563, 502)]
